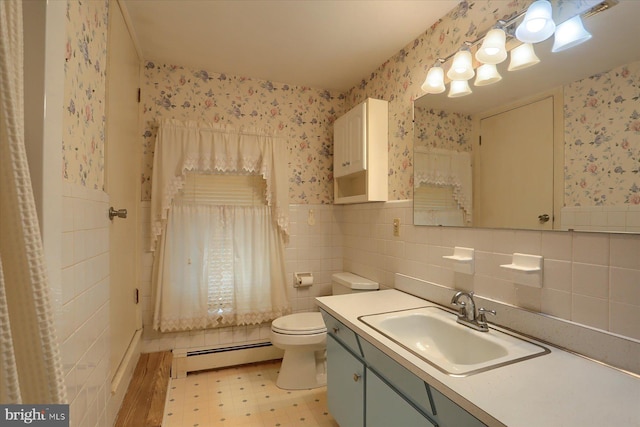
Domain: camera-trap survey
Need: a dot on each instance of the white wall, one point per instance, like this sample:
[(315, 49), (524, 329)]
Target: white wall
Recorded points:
[(588, 278), (83, 327)]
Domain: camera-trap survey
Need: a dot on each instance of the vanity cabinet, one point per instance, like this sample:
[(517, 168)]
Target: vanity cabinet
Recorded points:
[(360, 153), (366, 387), (345, 385), (385, 407)]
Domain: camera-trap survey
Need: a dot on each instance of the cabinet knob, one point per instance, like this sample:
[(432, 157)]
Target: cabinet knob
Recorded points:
[(356, 377), (336, 330)]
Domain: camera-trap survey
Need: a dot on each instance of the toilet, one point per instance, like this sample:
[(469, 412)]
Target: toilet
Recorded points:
[(303, 337)]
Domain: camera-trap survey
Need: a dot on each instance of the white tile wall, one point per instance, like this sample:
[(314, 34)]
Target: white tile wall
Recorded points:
[(598, 218), (83, 321), (589, 278)]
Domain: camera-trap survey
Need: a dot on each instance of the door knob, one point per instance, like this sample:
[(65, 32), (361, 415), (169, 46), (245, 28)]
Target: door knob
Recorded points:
[(543, 218), (120, 213)]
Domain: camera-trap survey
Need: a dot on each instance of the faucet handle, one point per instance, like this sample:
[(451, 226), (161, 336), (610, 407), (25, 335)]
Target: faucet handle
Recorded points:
[(482, 318)]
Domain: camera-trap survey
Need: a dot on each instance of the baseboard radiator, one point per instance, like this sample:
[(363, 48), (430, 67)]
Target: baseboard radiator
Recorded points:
[(191, 360)]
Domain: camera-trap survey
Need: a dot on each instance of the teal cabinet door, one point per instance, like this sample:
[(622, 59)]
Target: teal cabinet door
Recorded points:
[(345, 385), (385, 407)]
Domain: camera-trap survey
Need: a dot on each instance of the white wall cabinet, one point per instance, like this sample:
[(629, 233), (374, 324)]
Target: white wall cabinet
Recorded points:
[(365, 387), (350, 148), (360, 153)]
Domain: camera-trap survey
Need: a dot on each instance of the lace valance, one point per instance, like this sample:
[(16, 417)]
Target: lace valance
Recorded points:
[(445, 167), (190, 146)]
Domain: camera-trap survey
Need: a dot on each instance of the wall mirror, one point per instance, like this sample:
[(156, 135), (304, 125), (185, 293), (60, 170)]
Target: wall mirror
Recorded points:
[(555, 146)]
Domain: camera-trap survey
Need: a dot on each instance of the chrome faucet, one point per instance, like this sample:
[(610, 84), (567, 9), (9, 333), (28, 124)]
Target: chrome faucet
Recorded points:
[(467, 314)]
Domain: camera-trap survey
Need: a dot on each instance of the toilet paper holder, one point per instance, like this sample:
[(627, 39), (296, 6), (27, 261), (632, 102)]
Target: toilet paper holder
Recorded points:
[(302, 279)]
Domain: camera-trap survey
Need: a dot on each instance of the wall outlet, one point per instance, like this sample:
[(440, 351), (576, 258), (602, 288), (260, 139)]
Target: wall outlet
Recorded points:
[(396, 226)]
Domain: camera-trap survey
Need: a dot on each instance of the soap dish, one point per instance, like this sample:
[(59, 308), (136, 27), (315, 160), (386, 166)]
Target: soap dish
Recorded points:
[(526, 269), (463, 260)]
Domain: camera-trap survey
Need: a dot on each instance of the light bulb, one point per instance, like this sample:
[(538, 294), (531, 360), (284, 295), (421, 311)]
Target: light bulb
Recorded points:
[(434, 83), (538, 24), (522, 57), (486, 75), (569, 34), (461, 67), (459, 88), (492, 50)]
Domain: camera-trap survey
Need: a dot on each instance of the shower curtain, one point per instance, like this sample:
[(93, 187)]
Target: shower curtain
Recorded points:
[(217, 265), (30, 367)]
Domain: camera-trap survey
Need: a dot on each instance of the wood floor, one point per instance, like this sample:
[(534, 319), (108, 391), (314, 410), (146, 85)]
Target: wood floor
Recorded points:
[(143, 404)]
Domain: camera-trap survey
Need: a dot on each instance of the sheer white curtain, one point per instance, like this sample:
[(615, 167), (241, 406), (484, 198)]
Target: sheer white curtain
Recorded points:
[(30, 367), (189, 146), (217, 265)]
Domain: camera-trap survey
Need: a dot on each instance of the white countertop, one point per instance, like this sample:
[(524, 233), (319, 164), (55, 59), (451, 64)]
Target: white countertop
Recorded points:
[(557, 389)]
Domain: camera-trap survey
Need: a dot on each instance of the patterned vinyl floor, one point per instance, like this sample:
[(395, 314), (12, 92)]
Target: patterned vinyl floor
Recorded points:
[(244, 396)]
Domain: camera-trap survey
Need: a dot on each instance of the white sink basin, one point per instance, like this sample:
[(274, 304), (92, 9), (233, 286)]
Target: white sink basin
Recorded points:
[(434, 335)]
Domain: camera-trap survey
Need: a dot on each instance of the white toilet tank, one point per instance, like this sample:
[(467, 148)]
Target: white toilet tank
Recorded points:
[(348, 283)]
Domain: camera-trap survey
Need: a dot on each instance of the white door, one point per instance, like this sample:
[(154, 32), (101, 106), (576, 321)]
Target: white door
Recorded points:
[(513, 170), (123, 183)]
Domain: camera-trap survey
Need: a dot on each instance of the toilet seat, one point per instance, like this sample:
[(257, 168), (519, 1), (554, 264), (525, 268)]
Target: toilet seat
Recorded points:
[(299, 324)]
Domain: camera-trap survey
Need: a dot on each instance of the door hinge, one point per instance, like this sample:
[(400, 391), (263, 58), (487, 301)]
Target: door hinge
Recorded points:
[(136, 296), (138, 95)]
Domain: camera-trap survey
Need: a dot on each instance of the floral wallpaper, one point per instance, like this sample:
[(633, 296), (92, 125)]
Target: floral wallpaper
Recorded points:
[(304, 114), (85, 93), (398, 80), (442, 129), (602, 139)]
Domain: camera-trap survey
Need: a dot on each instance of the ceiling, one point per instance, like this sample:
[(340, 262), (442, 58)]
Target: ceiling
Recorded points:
[(328, 44)]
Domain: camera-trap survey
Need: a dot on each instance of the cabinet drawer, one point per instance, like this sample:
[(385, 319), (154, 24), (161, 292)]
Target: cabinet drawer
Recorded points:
[(400, 377), (342, 333)]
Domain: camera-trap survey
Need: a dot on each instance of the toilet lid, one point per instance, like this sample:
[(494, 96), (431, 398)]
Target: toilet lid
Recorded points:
[(299, 324)]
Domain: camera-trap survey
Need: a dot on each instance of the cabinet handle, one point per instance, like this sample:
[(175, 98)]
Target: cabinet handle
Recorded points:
[(336, 330), (356, 377)]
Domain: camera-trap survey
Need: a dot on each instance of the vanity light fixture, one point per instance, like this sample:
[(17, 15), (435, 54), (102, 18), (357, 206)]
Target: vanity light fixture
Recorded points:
[(569, 34), (461, 67), (434, 83), (493, 50), (459, 88), (538, 24), (487, 74), (522, 57)]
